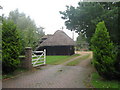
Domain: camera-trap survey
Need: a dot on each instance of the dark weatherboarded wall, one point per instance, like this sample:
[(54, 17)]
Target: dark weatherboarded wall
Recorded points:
[(58, 50)]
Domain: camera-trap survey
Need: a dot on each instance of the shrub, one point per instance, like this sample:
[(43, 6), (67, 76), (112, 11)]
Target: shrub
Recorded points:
[(10, 47), (117, 64), (103, 52)]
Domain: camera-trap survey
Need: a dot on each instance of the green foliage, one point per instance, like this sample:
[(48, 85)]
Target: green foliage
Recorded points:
[(0, 40), (117, 64), (99, 82), (10, 46), (17, 72), (86, 15), (80, 18), (0, 46), (103, 52), (81, 42), (29, 33)]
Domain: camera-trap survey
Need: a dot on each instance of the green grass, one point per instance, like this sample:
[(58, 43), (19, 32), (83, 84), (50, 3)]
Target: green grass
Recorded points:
[(21, 56), (0, 77), (77, 61), (38, 60), (7, 76), (54, 60), (99, 82)]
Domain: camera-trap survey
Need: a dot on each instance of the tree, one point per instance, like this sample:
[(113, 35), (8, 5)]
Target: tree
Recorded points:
[(10, 47), (0, 43), (103, 52), (0, 37), (80, 18), (86, 15), (81, 42), (28, 31)]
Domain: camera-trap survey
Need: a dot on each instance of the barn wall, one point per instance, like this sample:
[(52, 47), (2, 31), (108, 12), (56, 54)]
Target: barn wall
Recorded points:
[(58, 50)]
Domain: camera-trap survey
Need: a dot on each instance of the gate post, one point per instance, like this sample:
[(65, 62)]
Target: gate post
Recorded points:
[(28, 58), (44, 56)]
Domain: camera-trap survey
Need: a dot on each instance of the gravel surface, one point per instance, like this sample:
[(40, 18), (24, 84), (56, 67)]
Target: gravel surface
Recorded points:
[(53, 76)]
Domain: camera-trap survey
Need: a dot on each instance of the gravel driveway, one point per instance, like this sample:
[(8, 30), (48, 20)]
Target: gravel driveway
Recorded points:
[(53, 76)]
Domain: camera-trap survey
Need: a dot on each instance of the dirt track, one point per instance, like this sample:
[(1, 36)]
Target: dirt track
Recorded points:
[(54, 76)]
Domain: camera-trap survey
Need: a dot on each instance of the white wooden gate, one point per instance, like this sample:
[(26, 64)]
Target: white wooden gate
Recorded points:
[(38, 60)]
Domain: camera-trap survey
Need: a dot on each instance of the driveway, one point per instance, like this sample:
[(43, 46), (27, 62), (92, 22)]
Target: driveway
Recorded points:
[(53, 76)]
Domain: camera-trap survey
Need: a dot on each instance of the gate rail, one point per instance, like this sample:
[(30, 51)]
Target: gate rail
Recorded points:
[(38, 60)]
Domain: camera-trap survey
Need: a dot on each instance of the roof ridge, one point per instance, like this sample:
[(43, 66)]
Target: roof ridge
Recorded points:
[(58, 38)]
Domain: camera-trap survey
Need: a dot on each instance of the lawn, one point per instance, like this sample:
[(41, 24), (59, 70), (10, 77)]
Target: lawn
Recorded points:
[(99, 82), (77, 61), (54, 60)]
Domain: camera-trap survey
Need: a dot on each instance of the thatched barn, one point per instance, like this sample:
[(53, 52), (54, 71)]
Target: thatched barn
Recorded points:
[(57, 44)]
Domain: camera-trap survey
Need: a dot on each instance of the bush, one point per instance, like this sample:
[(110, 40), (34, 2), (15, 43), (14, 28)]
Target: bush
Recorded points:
[(117, 64), (103, 52), (10, 47)]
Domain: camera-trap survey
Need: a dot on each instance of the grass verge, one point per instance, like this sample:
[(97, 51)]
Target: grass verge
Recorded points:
[(99, 82), (13, 74), (0, 77), (77, 61)]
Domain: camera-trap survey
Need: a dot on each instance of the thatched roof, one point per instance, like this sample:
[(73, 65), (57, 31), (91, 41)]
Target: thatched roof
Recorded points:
[(47, 36), (59, 38)]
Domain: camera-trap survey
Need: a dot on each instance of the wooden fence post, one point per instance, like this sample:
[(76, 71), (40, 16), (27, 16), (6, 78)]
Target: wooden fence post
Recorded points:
[(44, 56), (28, 58)]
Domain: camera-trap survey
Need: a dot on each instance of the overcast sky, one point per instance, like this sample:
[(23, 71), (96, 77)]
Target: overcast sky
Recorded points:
[(45, 13)]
